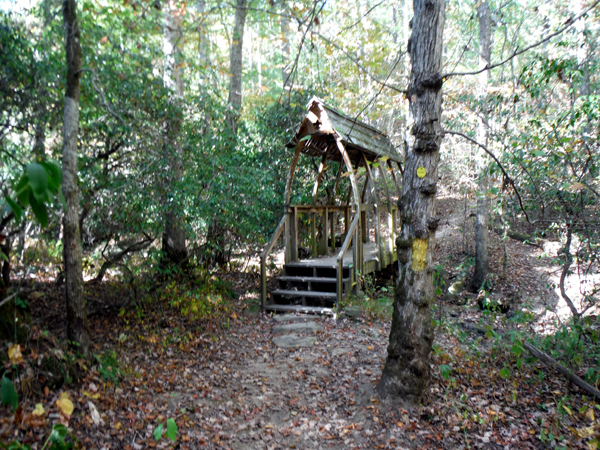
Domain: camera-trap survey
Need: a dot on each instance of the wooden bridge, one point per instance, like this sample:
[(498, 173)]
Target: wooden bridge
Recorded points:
[(330, 243)]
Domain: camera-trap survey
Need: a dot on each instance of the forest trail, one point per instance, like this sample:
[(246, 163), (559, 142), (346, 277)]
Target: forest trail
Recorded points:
[(298, 382)]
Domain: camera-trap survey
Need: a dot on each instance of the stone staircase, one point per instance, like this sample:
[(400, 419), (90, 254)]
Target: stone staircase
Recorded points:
[(309, 287)]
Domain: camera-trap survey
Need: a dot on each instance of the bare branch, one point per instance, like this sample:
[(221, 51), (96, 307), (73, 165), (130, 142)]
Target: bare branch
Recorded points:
[(568, 24), (330, 42), (500, 166), (355, 61), (359, 20)]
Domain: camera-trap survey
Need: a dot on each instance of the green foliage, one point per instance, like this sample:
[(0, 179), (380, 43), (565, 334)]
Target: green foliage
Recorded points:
[(38, 185), (171, 432), (375, 301), (203, 298), (57, 438), (8, 395), (108, 366)]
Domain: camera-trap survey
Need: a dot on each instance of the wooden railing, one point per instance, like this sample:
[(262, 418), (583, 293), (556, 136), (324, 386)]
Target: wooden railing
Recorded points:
[(328, 228), (351, 234), (263, 260)]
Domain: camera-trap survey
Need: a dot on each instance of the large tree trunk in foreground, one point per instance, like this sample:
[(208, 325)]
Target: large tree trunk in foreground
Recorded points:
[(77, 324), (235, 66), (173, 241), (407, 369), (481, 227)]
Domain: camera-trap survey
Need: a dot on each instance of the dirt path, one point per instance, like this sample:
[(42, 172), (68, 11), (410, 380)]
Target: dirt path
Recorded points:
[(235, 388)]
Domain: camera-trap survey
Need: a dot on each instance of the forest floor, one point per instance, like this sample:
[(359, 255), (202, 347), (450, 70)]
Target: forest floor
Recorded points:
[(227, 385)]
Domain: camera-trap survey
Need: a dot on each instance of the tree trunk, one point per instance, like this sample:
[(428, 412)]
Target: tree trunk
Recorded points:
[(173, 242), (235, 66), (481, 227), (286, 34), (407, 371), (77, 324)]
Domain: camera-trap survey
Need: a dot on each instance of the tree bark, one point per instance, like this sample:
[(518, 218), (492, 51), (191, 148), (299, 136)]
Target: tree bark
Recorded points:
[(286, 34), (407, 369), (481, 227), (77, 323), (173, 242), (235, 66)]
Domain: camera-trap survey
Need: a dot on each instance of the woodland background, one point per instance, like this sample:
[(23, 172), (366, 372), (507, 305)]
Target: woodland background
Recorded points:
[(185, 110)]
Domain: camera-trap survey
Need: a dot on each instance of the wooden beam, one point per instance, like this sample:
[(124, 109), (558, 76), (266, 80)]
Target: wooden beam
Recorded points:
[(322, 168), (336, 186), (375, 199), (287, 197), (398, 187)]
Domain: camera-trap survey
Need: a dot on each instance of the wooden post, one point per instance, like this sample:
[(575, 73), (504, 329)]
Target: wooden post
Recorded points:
[(294, 234), (313, 235), (381, 260), (398, 187), (389, 244), (288, 194), (332, 231), (324, 237)]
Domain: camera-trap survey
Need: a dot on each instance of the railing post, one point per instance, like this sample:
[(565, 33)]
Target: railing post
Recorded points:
[(263, 283), (381, 259), (332, 230), (287, 238), (313, 235), (294, 234)]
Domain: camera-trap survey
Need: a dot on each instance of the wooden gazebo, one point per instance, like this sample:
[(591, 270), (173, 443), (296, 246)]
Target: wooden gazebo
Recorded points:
[(365, 221)]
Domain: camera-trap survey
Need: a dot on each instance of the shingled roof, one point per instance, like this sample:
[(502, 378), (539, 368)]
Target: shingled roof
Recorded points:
[(324, 124)]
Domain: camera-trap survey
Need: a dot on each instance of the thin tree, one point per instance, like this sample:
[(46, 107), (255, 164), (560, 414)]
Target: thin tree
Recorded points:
[(407, 369), (173, 241), (77, 323), (481, 226), (235, 66)]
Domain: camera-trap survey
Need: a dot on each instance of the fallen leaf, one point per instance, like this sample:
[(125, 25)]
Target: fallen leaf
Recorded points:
[(94, 414), (15, 355), (94, 396), (39, 410), (65, 404)]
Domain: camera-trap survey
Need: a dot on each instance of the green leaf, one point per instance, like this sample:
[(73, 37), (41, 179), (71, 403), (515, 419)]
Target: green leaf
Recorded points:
[(59, 433), (55, 173), (171, 429), (39, 210), (505, 373), (517, 349), (23, 190), (305, 138), (158, 432), (8, 395), (519, 362), (38, 180), (14, 206), (445, 370)]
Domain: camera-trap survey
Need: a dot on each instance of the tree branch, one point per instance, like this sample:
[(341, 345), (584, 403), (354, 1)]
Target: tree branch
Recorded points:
[(359, 20), (500, 166), (355, 61), (330, 42), (568, 24)]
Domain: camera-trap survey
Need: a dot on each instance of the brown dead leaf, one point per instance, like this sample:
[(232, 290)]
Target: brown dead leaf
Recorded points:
[(15, 355)]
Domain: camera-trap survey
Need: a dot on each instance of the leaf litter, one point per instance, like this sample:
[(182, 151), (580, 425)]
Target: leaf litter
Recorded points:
[(229, 386)]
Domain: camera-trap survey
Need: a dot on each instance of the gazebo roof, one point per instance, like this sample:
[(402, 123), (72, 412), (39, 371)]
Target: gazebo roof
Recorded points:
[(324, 125)]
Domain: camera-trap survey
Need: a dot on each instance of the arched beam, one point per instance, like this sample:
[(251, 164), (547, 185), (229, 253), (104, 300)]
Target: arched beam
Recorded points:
[(350, 168)]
